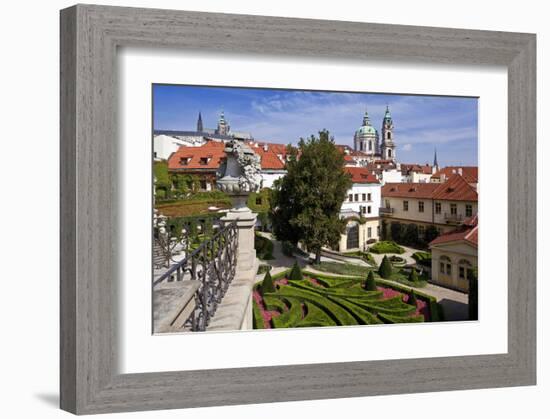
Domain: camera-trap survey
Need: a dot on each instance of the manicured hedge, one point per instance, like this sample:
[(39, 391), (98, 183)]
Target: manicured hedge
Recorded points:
[(258, 320), (423, 258), (290, 317), (273, 302), (386, 247), (315, 317)]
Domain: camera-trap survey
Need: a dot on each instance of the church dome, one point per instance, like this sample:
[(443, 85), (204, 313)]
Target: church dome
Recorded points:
[(366, 129)]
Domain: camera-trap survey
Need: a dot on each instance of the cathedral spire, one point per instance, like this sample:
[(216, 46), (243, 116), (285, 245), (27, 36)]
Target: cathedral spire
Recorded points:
[(199, 123), (435, 157), (366, 119)]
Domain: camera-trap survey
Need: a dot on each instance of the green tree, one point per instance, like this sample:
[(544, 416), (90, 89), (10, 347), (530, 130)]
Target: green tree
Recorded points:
[(267, 284), (431, 233), (412, 299), (305, 203), (385, 269), (396, 231), (413, 275), (370, 283), (410, 235), (296, 273)]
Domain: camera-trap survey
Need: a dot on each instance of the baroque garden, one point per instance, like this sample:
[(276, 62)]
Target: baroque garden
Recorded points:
[(250, 234)]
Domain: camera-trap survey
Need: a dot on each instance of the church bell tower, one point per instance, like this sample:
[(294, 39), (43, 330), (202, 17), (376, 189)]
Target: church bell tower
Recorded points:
[(388, 145)]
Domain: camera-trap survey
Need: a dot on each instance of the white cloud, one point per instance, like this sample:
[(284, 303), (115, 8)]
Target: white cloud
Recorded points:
[(407, 147)]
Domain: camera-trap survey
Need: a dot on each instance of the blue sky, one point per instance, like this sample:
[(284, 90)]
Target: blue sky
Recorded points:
[(421, 123)]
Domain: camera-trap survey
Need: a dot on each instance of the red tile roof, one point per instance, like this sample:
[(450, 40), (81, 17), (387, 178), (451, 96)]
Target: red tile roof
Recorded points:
[(269, 159), (470, 173), (467, 233), (454, 189), (417, 168), (212, 151), (361, 175)]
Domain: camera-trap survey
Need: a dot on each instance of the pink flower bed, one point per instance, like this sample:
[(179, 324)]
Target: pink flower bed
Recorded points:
[(421, 306)]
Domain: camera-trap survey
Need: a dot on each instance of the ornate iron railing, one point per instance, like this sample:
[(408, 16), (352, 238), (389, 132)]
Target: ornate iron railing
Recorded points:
[(213, 264)]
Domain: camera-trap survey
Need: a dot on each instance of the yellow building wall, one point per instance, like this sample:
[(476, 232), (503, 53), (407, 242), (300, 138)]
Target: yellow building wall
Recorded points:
[(456, 252)]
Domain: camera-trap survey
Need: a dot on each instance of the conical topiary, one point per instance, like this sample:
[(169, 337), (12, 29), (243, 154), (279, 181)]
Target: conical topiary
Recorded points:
[(267, 284), (370, 284), (385, 269), (296, 273), (412, 299), (413, 275)]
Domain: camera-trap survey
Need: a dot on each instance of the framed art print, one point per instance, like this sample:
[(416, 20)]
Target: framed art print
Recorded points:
[(278, 209)]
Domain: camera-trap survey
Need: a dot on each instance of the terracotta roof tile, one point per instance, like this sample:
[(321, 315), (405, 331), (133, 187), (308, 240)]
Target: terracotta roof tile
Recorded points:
[(361, 175), (207, 157), (454, 189), (470, 173)]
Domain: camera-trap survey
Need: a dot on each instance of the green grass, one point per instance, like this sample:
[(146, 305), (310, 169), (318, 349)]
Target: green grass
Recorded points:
[(366, 256), (386, 247), (342, 268)]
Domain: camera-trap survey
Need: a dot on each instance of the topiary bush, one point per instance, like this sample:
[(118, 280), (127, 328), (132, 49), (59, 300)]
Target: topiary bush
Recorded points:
[(296, 273), (413, 275), (267, 284), (370, 284), (385, 269), (386, 247)]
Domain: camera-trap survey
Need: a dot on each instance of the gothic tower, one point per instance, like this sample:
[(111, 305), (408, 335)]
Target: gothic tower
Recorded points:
[(223, 125), (365, 138), (388, 146), (200, 128)]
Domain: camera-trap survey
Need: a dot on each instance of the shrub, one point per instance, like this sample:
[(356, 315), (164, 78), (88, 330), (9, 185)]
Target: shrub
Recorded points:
[(423, 258), (370, 284), (410, 235), (386, 247), (267, 284), (413, 275), (264, 247), (396, 231), (431, 233), (296, 273), (385, 269), (262, 269), (287, 248), (412, 299), (258, 319)]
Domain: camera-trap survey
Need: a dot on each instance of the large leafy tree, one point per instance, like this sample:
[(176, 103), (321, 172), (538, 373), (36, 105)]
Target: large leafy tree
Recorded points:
[(306, 202)]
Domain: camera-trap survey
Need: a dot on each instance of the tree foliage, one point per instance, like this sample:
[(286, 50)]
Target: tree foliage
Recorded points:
[(305, 203), (413, 275), (385, 269), (267, 284), (296, 273), (431, 233), (396, 231), (410, 235), (370, 284)]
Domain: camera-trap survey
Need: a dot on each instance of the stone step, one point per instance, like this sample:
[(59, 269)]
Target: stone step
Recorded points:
[(173, 303)]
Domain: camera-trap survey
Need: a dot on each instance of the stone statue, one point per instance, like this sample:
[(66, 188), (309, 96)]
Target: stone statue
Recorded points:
[(242, 172)]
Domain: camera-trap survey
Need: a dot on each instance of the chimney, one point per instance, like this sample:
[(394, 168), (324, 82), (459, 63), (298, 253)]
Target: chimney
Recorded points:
[(266, 147), (460, 171)]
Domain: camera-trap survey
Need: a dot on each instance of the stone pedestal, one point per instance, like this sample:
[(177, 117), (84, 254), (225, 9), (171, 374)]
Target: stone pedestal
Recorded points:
[(246, 220), (235, 310)]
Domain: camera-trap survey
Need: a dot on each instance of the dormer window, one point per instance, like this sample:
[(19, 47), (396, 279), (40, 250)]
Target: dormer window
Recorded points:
[(203, 161), (184, 161)]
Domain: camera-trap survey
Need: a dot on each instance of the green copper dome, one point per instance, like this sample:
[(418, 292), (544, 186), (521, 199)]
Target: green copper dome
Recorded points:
[(366, 129), (387, 115)]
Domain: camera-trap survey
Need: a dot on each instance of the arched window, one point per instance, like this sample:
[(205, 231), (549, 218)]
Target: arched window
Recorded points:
[(464, 266), (445, 265), (389, 135), (389, 152), (370, 145)]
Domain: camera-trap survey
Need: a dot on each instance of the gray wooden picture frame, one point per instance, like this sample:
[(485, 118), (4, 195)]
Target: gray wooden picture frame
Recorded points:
[(90, 36)]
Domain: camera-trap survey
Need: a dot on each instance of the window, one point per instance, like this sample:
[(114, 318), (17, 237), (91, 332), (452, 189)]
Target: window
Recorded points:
[(420, 206), (155, 154), (350, 198), (468, 210), (203, 184), (387, 203), (203, 161), (369, 209), (461, 272), (405, 205), (362, 210), (184, 161), (369, 197), (438, 207), (445, 265), (453, 209), (389, 135), (369, 232), (370, 145), (441, 267), (448, 268), (364, 197), (389, 153), (356, 197)]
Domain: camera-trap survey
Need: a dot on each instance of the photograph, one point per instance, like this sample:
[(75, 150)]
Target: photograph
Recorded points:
[(278, 208)]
